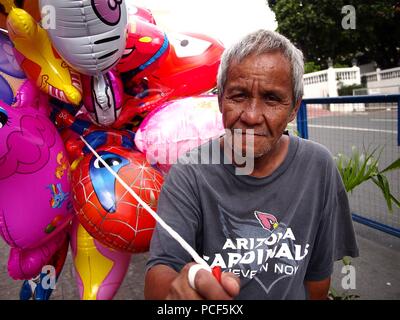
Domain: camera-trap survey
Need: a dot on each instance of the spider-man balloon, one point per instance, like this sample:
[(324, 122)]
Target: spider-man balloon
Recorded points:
[(104, 207)]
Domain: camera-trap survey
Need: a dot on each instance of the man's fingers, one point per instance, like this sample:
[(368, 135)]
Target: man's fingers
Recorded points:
[(180, 288), (192, 274), (230, 283), (209, 287), (198, 282)]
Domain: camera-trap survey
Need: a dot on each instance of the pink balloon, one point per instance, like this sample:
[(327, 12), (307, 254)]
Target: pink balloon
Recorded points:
[(177, 127), (29, 96), (35, 207)]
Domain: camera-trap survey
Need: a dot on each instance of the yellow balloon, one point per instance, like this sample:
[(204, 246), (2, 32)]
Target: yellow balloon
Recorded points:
[(31, 6), (100, 269), (90, 264), (40, 62)]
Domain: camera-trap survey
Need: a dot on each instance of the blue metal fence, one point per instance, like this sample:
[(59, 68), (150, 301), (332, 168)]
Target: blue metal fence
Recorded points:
[(303, 126)]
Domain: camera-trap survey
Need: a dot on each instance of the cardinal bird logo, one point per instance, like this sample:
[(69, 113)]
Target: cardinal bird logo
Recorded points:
[(267, 220)]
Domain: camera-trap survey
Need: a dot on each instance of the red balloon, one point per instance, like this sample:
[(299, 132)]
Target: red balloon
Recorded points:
[(145, 50), (189, 69), (105, 209), (191, 66)]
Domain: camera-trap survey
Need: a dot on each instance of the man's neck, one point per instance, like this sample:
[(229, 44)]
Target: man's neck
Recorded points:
[(264, 166)]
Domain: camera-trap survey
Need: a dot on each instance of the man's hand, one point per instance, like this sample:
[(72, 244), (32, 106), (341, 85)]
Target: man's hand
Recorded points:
[(207, 286), (318, 290)]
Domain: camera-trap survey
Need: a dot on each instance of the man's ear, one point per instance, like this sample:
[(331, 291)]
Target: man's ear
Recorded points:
[(294, 111)]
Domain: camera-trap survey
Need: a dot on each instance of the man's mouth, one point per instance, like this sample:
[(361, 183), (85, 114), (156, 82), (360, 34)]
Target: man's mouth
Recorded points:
[(249, 132)]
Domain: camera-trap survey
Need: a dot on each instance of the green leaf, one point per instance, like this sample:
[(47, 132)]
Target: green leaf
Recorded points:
[(360, 168), (393, 166), (383, 184), (346, 260), (386, 190), (396, 201)]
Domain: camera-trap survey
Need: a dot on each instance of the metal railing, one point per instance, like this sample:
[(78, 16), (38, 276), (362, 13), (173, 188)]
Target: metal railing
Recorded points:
[(302, 123), (376, 217)]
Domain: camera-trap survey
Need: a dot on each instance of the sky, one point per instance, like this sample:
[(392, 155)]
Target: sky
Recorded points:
[(226, 20)]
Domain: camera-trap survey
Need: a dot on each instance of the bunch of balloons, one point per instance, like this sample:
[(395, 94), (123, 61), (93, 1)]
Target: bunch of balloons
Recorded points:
[(99, 72)]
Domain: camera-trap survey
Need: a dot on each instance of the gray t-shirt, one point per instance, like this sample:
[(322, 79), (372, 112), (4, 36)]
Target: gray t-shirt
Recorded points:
[(274, 232)]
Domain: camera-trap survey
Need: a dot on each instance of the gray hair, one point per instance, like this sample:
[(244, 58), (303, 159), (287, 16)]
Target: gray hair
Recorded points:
[(259, 42)]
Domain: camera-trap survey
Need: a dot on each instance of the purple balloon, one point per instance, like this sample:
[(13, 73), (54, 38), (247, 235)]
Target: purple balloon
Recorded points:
[(11, 75), (8, 63), (35, 204)]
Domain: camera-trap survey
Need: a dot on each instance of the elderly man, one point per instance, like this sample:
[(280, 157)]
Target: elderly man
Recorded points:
[(276, 230)]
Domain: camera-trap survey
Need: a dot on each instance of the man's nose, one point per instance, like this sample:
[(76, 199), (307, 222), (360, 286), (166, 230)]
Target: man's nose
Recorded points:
[(252, 115)]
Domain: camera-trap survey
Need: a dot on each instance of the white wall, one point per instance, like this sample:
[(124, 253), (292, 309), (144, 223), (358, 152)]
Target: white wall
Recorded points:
[(325, 83), (384, 81)]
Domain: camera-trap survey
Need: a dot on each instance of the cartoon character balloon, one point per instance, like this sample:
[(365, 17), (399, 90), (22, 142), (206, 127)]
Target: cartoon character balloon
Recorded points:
[(192, 64), (177, 127), (35, 207), (90, 34), (146, 48), (104, 207), (91, 37), (123, 227), (36, 56), (189, 69), (31, 6), (101, 278), (103, 97)]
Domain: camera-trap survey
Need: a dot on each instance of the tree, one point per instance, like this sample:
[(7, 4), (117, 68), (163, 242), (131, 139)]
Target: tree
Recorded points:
[(315, 26)]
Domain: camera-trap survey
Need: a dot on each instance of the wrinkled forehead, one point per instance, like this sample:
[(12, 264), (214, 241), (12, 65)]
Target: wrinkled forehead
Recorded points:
[(264, 56), (266, 65), (272, 64)]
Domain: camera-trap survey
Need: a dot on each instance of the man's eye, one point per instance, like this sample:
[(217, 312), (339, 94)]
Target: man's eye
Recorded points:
[(271, 98), (272, 101), (238, 97)]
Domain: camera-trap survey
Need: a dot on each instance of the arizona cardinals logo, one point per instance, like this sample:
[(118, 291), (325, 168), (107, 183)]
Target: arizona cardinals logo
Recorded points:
[(267, 220), (259, 263)]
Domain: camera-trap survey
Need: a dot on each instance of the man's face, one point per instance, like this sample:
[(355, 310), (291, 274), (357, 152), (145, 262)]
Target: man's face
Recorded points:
[(258, 96)]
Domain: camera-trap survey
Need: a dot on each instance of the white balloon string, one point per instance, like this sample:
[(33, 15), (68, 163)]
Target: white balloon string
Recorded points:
[(167, 228)]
